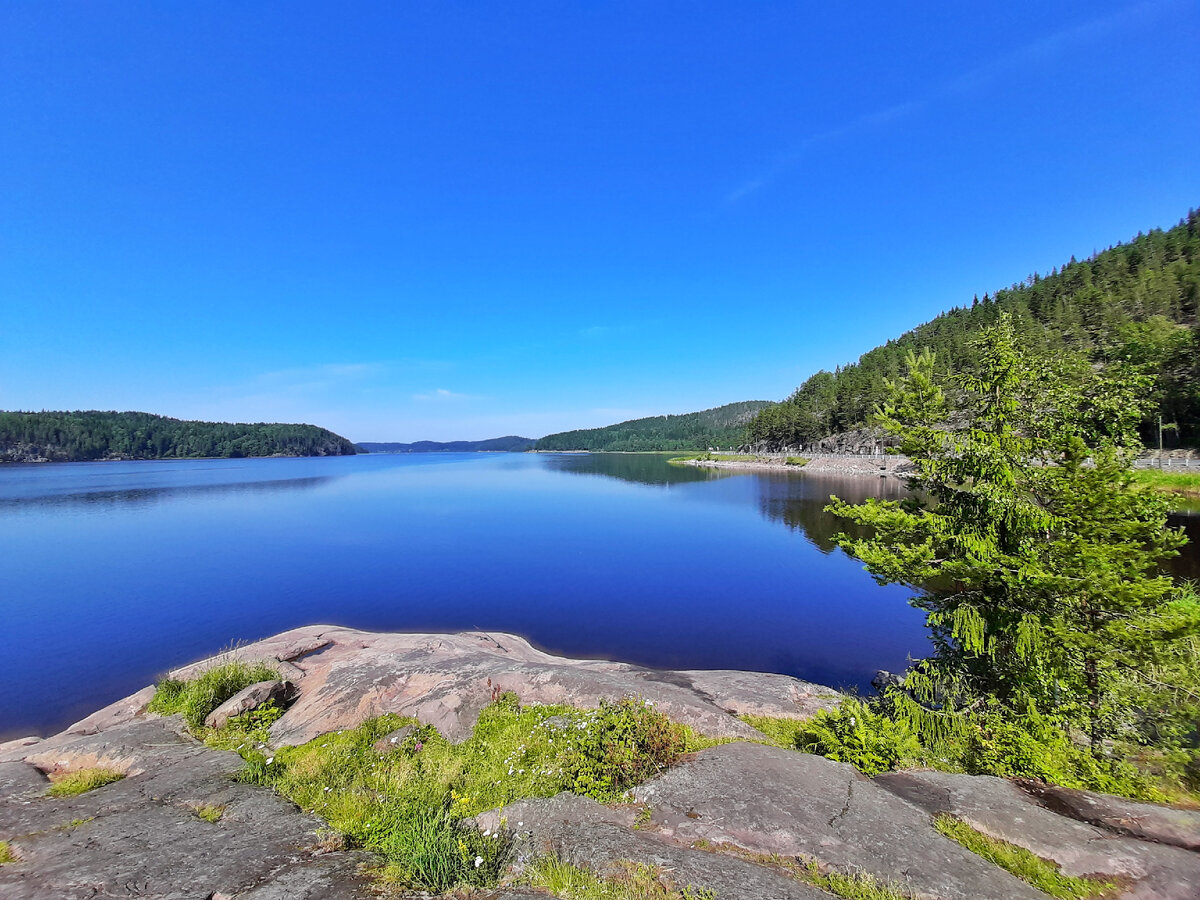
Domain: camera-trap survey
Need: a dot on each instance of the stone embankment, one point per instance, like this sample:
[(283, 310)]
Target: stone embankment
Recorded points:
[(874, 466), (713, 821)]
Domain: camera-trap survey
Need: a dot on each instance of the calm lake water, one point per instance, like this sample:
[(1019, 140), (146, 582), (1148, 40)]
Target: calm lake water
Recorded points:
[(115, 572)]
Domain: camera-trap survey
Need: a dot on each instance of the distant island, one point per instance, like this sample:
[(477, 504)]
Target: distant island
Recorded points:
[(508, 444), (723, 427), (95, 435)]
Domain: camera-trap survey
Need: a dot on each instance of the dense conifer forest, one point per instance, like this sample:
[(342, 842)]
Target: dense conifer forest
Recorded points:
[(1135, 302), (723, 427), (67, 436)]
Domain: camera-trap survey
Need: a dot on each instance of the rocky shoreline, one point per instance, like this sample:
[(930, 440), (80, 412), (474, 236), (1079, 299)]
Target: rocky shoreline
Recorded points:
[(721, 819), (820, 464)]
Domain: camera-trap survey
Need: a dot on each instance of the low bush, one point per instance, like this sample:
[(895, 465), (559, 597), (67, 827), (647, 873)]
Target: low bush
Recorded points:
[(855, 733)]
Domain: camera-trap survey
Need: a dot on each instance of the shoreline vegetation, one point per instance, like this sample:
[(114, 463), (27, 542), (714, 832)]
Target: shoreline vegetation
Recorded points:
[(94, 435)]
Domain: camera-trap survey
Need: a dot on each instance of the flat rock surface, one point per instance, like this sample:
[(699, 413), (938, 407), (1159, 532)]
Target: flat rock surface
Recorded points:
[(583, 833), (1001, 809), (1147, 821), (142, 837), (773, 801), (446, 679)]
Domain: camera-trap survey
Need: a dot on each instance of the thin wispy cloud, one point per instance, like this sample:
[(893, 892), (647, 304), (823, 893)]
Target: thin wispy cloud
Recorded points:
[(442, 394), (1039, 51)]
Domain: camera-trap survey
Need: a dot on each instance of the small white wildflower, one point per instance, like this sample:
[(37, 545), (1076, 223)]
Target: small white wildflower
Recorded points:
[(270, 759), (478, 861)]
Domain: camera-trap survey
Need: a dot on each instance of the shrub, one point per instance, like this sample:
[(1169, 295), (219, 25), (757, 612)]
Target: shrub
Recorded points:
[(621, 745), (197, 697), (854, 733)]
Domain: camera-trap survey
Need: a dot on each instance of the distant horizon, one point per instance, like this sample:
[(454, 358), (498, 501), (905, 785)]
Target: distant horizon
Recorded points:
[(417, 221)]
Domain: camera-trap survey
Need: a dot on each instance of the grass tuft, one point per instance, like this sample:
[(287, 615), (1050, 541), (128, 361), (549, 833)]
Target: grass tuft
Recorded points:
[(68, 784), (6, 853), (197, 697), (1185, 483), (1032, 869), (209, 812), (779, 732), (859, 886), (634, 882), (796, 461)]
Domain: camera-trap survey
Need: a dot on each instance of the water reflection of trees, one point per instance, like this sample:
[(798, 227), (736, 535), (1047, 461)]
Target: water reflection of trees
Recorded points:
[(147, 496), (640, 468), (799, 501)]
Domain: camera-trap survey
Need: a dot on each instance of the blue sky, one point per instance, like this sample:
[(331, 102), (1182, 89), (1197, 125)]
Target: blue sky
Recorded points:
[(456, 220)]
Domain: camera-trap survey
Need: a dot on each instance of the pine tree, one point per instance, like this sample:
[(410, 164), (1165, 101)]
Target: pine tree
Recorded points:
[(1037, 559)]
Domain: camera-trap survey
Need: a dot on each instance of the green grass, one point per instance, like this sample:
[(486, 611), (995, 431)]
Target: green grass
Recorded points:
[(6, 853), (197, 697), (410, 805), (716, 457), (796, 461), (1185, 483), (635, 882), (209, 812), (1032, 869), (779, 732), (859, 886), (69, 784)]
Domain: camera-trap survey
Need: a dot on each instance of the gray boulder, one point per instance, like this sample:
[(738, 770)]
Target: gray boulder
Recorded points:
[(1146, 821), (772, 801), (249, 698), (583, 833), (1000, 809)]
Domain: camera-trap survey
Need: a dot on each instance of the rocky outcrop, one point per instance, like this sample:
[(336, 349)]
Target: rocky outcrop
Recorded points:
[(771, 801), (1001, 809), (142, 837), (584, 833), (445, 680), (713, 821)]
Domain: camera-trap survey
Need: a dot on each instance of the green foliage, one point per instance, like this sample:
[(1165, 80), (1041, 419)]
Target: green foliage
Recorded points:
[(6, 853), (1185, 483), (854, 733), (779, 732), (724, 426), (620, 745), (409, 803), (199, 696), (1037, 559), (1029, 868), (80, 781), (133, 435), (1133, 304), (634, 882), (796, 461), (1028, 746)]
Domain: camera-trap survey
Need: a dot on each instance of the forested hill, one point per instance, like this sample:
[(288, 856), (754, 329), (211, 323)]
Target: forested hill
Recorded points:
[(724, 427), (63, 436), (1136, 301), (510, 444)]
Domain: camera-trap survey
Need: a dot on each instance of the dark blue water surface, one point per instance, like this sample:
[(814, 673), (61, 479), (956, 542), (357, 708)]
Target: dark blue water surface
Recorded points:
[(114, 572)]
